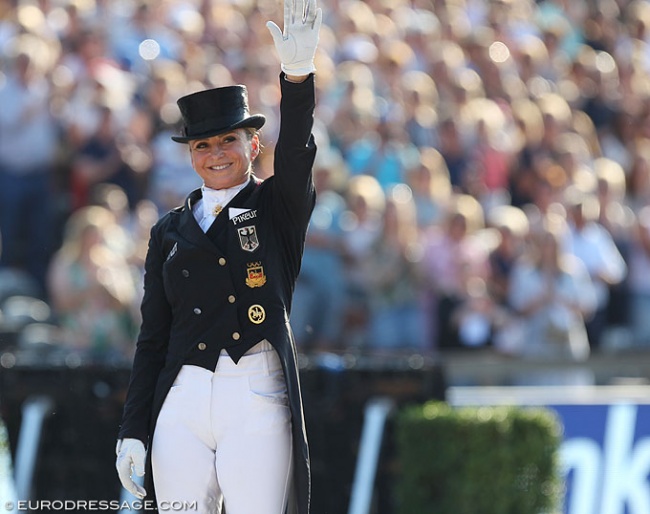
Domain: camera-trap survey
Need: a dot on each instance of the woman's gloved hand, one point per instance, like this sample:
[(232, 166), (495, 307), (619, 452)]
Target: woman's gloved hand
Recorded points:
[(130, 459), (296, 46)]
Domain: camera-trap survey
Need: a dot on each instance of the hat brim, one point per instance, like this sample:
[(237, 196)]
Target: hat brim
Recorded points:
[(255, 121)]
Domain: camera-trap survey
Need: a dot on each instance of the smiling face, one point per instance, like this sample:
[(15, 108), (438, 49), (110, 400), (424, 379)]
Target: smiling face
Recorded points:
[(224, 160)]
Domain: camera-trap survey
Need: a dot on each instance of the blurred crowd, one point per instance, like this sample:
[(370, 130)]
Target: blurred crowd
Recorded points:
[(483, 171)]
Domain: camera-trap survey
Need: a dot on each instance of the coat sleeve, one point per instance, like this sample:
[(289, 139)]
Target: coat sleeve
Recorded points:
[(295, 151), (294, 195), (151, 346)]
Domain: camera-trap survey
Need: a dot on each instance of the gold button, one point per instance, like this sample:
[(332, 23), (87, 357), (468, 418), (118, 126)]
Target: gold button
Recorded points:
[(202, 346), (231, 298), (222, 261), (236, 336)]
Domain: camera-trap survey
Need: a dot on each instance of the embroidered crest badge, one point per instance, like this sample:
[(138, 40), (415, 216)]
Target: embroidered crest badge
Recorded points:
[(255, 274), (256, 314), (248, 238)]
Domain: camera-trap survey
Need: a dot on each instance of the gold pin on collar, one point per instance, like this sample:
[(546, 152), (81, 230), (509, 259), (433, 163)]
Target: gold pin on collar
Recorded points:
[(217, 210)]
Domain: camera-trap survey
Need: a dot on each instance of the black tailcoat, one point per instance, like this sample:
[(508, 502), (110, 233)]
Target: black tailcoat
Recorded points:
[(230, 287)]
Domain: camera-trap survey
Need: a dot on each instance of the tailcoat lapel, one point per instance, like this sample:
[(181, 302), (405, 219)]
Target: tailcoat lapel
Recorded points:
[(216, 230), (214, 239), (188, 227)]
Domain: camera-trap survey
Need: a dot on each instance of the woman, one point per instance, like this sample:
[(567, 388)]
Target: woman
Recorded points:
[(92, 286), (214, 390), (552, 292), (452, 255)]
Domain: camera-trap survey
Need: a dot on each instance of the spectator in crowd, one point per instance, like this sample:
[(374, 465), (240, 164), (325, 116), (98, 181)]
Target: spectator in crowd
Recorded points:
[(556, 120), (639, 280), (488, 175), (29, 139), (353, 104), (92, 288), (392, 279), (552, 291), (591, 243), (479, 319), (617, 139), (638, 174), (97, 93), (361, 223), (135, 225), (613, 213), (320, 301), (512, 229), (619, 220), (98, 159), (430, 185), (420, 97), (527, 117), (7, 25), (574, 159), (451, 256), (453, 150)]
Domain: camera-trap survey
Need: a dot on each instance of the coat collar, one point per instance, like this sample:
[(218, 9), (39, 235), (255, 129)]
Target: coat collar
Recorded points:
[(190, 229)]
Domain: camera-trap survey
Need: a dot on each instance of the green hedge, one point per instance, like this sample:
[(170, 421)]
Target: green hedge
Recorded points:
[(483, 460), (6, 473)]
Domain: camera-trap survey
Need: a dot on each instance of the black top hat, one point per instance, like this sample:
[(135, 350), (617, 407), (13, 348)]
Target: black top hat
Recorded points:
[(214, 111)]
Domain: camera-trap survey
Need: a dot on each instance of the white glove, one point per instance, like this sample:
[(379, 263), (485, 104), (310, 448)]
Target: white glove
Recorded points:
[(296, 46), (130, 454)]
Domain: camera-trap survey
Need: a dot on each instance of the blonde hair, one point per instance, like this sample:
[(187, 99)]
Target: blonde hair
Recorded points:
[(93, 217), (368, 188), (470, 209)]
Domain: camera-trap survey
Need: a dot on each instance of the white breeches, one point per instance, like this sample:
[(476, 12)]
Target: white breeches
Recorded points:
[(225, 437)]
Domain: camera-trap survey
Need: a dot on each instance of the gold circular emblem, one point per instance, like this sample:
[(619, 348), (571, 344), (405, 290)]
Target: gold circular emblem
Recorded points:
[(256, 314)]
